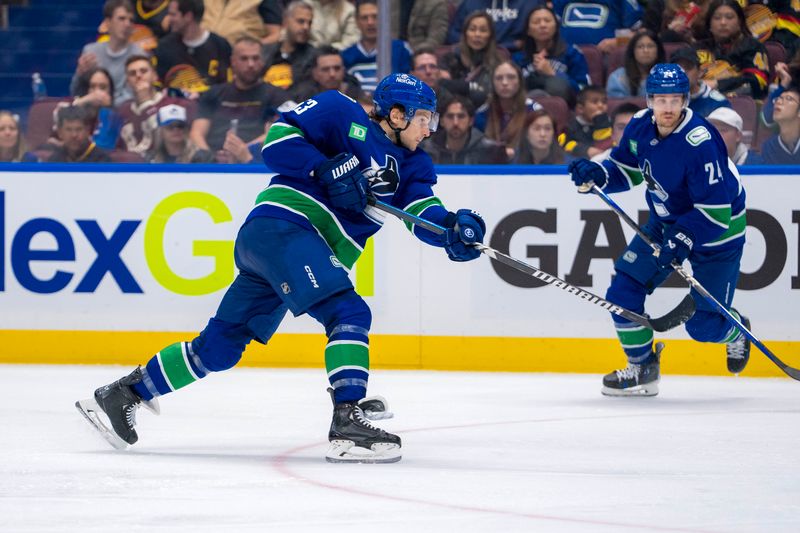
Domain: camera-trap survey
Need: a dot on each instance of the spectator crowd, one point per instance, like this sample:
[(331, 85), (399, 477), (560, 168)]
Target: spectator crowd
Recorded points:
[(518, 81)]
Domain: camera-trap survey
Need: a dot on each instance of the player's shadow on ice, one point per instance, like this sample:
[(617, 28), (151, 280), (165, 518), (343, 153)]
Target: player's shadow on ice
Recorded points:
[(244, 456)]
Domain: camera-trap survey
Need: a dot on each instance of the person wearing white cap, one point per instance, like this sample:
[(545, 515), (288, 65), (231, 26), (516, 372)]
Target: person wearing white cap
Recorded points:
[(172, 143), (731, 128)]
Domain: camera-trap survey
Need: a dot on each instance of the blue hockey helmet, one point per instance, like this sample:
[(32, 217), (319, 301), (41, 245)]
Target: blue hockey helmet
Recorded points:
[(667, 78), (407, 91)]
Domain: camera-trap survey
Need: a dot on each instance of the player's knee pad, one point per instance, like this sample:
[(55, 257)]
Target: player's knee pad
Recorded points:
[(221, 344), (707, 326), (344, 308), (626, 292)]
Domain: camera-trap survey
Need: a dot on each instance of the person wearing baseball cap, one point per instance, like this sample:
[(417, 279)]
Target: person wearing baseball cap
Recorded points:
[(702, 98), (172, 143), (731, 128)]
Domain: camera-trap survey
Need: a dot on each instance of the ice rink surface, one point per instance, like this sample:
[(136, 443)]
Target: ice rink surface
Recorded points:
[(244, 451)]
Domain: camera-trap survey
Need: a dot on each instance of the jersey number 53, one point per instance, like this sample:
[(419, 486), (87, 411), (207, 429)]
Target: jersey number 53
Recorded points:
[(305, 106)]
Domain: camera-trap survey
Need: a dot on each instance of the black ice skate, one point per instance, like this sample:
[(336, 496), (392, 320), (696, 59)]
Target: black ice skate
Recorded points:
[(635, 380), (739, 349), (354, 440), (112, 410)]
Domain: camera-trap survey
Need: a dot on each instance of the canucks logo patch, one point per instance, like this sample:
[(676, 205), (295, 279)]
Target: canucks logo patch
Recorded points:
[(629, 256), (634, 146), (698, 135), (585, 15), (357, 132)]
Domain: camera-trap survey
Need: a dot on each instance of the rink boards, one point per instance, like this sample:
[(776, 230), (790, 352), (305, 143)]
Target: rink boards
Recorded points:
[(107, 264)]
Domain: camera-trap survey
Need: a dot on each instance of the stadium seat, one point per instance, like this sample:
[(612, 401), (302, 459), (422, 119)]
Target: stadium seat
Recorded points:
[(747, 109), (776, 53), (556, 106), (124, 156), (40, 120), (615, 60), (594, 60)]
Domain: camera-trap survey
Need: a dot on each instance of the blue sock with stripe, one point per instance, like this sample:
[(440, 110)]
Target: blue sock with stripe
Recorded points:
[(170, 369), (636, 340), (347, 362)]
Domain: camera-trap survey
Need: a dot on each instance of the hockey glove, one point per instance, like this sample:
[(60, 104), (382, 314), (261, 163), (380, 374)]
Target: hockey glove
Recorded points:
[(676, 247), (343, 181), (583, 171), (464, 227)]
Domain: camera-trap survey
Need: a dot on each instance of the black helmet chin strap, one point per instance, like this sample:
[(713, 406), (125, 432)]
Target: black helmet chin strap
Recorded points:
[(397, 131)]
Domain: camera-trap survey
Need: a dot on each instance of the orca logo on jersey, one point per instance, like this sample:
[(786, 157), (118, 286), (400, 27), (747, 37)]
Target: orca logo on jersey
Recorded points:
[(653, 186), (383, 181)]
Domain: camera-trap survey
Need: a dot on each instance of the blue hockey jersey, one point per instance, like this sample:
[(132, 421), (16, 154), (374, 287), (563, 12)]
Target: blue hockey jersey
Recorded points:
[(319, 129), (690, 180), (363, 65), (591, 22)]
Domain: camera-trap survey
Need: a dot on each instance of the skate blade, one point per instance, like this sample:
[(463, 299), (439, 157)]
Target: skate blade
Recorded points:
[(651, 389), (152, 406), (345, 451), (91, 412)]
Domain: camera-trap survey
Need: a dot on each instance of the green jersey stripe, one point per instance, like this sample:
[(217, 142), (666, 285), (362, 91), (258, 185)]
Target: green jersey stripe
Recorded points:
[(324, 221), (717, 214), (632, 174), (280, 131), (418, 206), (736, 228)]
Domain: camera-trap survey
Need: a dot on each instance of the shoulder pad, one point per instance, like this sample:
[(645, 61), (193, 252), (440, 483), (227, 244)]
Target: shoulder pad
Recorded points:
[(698, 135)]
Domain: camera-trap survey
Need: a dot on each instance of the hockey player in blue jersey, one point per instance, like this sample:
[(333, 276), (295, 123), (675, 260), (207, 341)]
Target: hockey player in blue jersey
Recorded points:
[(295, 250), (697, 212)]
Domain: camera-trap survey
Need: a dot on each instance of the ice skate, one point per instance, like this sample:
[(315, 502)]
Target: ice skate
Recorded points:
[(635, 380), (112, 410), (354, 440), (739, 349)]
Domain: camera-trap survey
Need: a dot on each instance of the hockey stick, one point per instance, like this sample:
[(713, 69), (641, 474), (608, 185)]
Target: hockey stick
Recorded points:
[(674, 318), (793, 373)]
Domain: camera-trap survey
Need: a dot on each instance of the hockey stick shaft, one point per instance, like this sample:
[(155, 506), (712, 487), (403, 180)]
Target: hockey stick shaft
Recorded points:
[(794, 373), (661, 324)]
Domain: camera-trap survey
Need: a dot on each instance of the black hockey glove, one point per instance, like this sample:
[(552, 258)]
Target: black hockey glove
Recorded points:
[(583, 172), (343, 181), (676, 247), (464, 227)]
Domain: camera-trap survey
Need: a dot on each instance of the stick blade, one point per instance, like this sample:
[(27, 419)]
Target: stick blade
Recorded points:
[(791, 372), (683, 312)]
